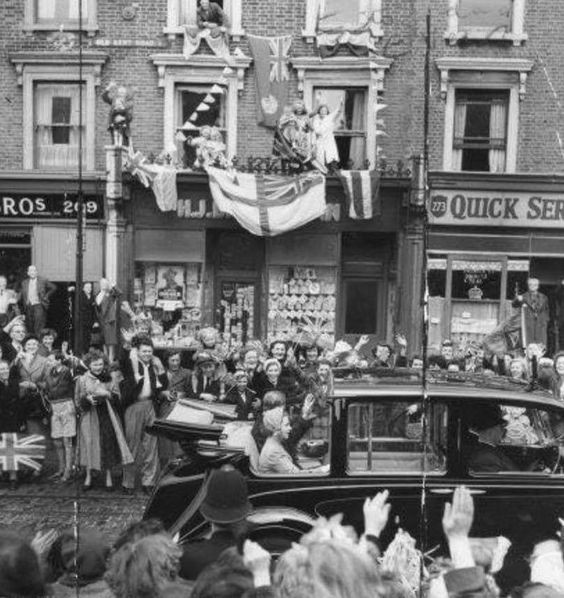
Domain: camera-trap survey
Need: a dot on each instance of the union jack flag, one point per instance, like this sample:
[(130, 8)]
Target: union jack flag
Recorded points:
[(21, 450)]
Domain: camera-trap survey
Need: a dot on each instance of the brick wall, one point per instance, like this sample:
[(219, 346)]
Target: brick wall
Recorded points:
[(404, 41)]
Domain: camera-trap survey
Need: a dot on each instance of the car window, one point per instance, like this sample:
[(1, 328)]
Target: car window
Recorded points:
[(387, 436), (506, 438), (306, 451)]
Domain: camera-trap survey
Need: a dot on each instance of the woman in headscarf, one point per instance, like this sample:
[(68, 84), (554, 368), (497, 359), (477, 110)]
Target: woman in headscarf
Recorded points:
[(274, 458), (101, 442)]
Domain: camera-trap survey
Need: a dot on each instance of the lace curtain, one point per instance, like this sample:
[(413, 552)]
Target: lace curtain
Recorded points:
[(50, 10), (56, 151), (459, 127), (498, 120), (357, 151)]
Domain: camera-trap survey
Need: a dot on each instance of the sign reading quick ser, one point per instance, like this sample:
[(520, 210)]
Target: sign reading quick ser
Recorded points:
[(475, 208)]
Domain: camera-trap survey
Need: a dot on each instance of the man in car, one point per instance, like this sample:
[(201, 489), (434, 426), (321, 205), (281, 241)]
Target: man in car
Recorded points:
[(488, 426)]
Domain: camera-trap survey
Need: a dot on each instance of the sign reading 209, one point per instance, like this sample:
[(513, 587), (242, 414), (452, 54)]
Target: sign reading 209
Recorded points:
[(55, 205)]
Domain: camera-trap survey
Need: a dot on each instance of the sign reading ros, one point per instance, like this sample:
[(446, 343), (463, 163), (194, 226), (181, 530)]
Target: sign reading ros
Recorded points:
[(483, 209)]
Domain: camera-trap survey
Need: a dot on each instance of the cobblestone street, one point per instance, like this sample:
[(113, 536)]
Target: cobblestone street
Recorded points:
[(37, 506)]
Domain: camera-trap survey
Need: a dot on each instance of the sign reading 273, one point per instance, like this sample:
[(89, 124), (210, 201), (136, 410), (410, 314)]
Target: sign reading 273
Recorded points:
[(18, 205)]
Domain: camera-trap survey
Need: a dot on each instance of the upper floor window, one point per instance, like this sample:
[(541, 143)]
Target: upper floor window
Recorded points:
[(54, 14), (350, 131), (188, 99), (336, 16), (185, 12), (57, 126), (486, 20), (480, 130)]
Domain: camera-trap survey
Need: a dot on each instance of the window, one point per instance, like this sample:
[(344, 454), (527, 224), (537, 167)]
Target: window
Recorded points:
[(183, 12), (56, 126), (480, 130), (336, 16), (486, 20), (52, 14), (188, 99), (350, 133), (482, 112), (50, 97), (386, 436), (511, 438), (365, 293)]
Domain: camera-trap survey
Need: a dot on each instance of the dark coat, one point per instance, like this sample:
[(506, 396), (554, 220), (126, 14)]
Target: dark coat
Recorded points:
[(485, 458), (537, 314), (12, 416), (197, 387), (9, 352), (45, 289), (243, 403), (106, 314), (197, 555), (287, 383), (131, 388), (59, 385)]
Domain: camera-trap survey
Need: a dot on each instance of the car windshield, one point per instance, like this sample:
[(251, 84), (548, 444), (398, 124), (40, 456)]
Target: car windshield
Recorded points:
[(388, 436)]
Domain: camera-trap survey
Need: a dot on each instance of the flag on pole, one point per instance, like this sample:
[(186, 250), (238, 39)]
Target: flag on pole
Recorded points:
[(272, 76), (362, 193), (21, 450), (268, 205)]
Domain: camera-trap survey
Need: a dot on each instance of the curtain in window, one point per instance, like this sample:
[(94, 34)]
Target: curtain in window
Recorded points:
[(50, 155), (73, 9), (459, 127), (357, 151), (498, 119), (187, 12), (45, 9)]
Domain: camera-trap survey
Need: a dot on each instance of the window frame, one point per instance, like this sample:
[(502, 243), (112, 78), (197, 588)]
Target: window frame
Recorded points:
[(200, 70), (365, 73), (90, 23), (516, 34), (233, 11), (32, 68), (492, 74), (310, 30)]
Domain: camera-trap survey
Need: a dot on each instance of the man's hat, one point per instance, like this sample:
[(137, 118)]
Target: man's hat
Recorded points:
[(227, 499), (484, 416), (240, 373)]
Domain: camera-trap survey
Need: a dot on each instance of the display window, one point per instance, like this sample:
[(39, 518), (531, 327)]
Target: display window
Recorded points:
[(170, 298), (300, 295)]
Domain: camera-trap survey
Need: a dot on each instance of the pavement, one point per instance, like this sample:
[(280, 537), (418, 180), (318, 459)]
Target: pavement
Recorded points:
[(42, 504)]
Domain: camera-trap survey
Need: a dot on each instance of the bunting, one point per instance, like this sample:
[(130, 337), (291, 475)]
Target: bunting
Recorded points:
[(362, 193)]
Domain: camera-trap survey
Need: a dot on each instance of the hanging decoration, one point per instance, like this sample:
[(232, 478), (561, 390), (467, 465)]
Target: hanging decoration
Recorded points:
[(270, 55)]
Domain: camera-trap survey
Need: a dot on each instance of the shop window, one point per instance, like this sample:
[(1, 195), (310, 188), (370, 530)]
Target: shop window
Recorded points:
[(299, 296), (184, 12), (350, 130), (188, 99), (171, 294), (361, 293), (54, 14), (480, 131), (57, 126), (387, 436), (486, 20)]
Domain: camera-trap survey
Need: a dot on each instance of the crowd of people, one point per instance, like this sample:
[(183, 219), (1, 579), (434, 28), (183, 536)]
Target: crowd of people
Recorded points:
[(329, 561)]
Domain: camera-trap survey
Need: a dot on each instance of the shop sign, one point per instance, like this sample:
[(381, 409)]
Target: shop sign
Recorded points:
[(477, 208), (25, 205)]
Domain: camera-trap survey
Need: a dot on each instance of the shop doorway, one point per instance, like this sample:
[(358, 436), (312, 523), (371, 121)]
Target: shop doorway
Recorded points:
[(550, 272), (15, 256)]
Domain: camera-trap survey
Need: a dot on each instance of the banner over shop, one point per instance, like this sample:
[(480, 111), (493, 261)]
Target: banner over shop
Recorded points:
[(513, 209)]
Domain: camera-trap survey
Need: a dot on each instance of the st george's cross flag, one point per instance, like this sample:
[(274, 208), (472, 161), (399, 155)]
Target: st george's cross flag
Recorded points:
[(268, 205), (21, 450), (362, 193)]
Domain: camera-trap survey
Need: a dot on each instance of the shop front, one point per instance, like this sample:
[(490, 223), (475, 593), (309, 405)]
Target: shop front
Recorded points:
[(489, 234), (38, 226), (196, 267)]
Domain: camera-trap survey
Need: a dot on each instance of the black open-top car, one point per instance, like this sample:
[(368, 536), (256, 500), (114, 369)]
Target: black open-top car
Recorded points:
[(384, 431)]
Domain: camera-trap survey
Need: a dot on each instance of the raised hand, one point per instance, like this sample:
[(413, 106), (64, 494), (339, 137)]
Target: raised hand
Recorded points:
[(458, 516), (376, 512), (257, 560)]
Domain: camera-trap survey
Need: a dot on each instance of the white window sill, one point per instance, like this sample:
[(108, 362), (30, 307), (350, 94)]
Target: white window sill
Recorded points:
[(477, 34), (91, 30), (173, 32)]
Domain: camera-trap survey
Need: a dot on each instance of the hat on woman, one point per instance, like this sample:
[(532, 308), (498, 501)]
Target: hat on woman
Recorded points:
[(272, 419), (271, 361), (204, 357), (227, 499)]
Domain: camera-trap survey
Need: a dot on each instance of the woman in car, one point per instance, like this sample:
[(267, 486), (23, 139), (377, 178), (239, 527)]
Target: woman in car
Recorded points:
[(274, 458), (558, 379)]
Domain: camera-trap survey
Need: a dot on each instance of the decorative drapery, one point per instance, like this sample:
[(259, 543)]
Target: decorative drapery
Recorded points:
[(498, 120), (459, 127)]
